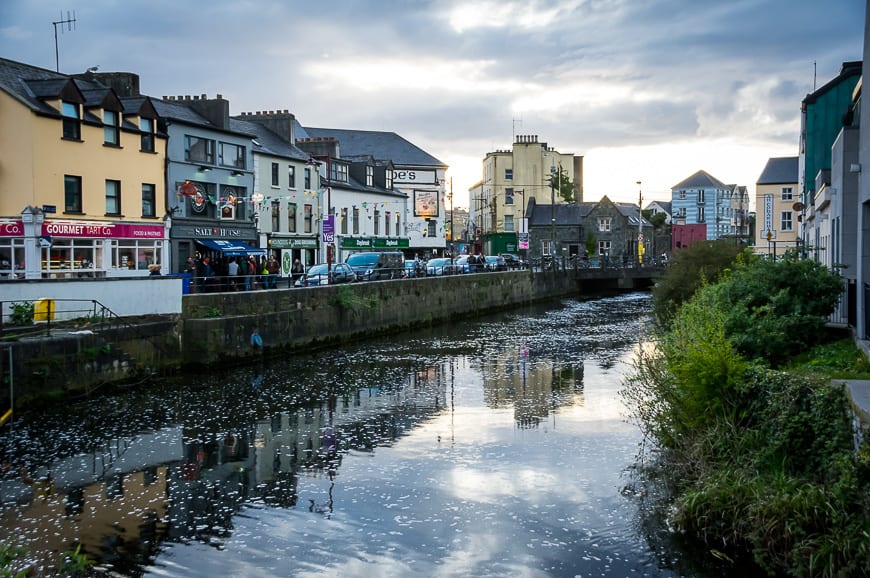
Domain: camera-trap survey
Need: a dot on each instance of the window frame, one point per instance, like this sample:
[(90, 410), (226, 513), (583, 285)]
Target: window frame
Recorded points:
[(786, 221), (191, 143), (241, 151), (72, 120), (308, 218), (75, 207), (146, 140), (149, 198), (111, 128), (113, 194), (276, 179)]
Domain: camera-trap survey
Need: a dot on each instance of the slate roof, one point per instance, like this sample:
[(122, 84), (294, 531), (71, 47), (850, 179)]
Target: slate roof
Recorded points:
[(267, 141), (700, 180), (573, 214), (665, 205), (384, 146), (779, 170)]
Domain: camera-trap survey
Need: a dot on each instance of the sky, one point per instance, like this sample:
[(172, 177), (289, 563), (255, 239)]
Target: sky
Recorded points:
[(647, 91)]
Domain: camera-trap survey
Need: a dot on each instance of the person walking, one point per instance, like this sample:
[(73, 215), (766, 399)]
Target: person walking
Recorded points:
[(296, 272)]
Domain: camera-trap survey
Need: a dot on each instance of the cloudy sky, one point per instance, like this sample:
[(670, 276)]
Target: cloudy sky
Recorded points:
[(645, 90)]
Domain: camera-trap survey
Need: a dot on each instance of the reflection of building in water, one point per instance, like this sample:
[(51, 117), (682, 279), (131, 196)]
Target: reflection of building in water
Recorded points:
[(534, 386), (122, 501)]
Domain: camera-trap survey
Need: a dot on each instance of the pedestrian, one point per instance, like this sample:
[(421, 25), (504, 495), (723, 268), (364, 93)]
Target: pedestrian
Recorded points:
[(274, 268), (233, 272), (250, 267), (154, 270), (296, 272)]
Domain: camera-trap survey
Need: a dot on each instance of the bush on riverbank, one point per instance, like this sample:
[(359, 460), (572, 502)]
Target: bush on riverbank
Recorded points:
[(758, 460)]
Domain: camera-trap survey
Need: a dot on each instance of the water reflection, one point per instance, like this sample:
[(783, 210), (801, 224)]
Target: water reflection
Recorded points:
[(492, 447)]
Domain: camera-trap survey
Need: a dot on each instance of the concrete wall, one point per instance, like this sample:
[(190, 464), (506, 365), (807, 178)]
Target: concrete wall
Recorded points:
[(159, 295), (221, 325)]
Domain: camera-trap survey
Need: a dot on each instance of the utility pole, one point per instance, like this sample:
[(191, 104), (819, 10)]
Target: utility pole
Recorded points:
[(70, 24)]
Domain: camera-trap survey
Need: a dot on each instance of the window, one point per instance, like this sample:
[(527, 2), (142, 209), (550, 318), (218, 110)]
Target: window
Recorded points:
[(787, 193), (308, 215), (356, 221), (198, 150), (398, 228), (232, 155), (431, 229), (339, 172), (701, 196), (604, 224), (508, 223), (276, 214), (701, 218), (508, 174), (604, 247), (72, 122), (291, 177), (149, 208), (72, 194), (508, 196), (275, 169), (370, 175), (291, 217), (111, 129), (388, 220), (683, 195), (308, 179), (377, 224), (113, 197), (388, 175), (785, 221), (146, 125), (344, 221)]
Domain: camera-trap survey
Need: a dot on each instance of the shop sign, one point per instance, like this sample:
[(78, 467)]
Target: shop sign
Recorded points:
[(11, 228), (374, 243), (101, 230), (416, 177), (287, 243)]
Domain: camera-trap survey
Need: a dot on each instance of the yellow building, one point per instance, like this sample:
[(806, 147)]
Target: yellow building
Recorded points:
[(82, 186), (777, 207), (511, 178)]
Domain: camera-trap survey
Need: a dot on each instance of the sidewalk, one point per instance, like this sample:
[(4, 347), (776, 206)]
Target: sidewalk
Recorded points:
[(859, 391)]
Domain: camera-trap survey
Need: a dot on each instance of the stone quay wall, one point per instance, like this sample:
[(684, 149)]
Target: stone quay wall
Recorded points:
[(222, 326)]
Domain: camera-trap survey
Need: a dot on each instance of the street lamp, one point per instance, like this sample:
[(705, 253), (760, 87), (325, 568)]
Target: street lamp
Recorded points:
[(639, 224), (327, 212)]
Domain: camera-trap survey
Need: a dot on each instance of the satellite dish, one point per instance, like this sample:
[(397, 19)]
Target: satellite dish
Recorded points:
[(798, 206)]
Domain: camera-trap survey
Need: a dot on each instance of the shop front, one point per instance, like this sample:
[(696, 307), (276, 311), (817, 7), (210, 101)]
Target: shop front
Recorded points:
[(68, 249), (192, 239), (288, 249)]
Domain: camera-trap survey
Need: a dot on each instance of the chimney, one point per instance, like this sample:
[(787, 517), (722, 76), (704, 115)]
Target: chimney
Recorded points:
[(320, 147), (215, 110), (123, 83), (282, 123)]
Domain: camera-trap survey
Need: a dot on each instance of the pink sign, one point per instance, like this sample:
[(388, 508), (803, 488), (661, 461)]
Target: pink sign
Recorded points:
[(86, 229)]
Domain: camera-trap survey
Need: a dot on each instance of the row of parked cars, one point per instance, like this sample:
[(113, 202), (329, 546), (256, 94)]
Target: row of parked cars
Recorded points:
[(376, 266)]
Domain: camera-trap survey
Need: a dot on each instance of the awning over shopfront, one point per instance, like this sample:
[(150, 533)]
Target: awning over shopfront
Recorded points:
[(230, 248)]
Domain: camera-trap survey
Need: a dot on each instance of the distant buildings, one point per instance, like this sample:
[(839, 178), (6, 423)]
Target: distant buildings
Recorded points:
[(777, 206), (705, 208)]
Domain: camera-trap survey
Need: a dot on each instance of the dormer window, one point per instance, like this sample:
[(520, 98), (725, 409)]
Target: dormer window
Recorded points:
[(111, 128), (389, 179), (72, 121), (370, 176), (339, 172)]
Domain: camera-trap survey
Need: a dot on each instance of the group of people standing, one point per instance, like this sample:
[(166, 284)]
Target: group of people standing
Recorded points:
[(234, 273)]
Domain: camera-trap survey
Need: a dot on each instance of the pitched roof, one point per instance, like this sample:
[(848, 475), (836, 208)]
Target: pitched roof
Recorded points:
[(700, 180), (268, 142), (379, 144), (779, 170)]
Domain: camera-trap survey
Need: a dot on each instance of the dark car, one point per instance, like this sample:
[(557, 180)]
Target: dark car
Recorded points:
[(513, 261), (317, 275), (371, 266)]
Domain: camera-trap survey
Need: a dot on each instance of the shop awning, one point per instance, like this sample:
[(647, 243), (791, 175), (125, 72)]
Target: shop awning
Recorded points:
[(230, 248)]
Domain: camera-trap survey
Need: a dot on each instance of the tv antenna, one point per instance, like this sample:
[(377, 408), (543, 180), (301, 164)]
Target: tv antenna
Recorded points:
[(70, 22)]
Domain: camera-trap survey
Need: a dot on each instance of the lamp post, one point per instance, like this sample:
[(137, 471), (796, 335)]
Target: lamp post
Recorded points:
[(326, 215), (553, 209), (639, 224)]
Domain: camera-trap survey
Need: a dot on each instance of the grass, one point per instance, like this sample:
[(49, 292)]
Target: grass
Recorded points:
[(840, 359)]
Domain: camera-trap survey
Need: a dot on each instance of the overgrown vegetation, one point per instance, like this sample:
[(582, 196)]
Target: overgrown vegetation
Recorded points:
[(22, 313), (759, 460)]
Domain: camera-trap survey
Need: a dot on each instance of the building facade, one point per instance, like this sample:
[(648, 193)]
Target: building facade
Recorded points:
[(511, 179), (81, 182), (777, 205), (706, 208)]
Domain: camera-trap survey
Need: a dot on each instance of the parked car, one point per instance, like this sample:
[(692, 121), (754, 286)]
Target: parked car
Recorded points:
[(495, 263), (373, 266), (513, 261), (317, 275), (461, 264), (414, 268), (440, 266)]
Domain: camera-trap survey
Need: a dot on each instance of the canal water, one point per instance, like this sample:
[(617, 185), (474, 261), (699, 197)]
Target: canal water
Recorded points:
[(489, 447)]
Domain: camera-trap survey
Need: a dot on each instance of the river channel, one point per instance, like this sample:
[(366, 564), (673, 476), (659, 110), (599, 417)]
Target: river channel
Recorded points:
[(496, 446)]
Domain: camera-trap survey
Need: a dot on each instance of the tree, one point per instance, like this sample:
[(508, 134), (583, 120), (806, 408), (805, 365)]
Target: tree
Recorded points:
[(563, 185)]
